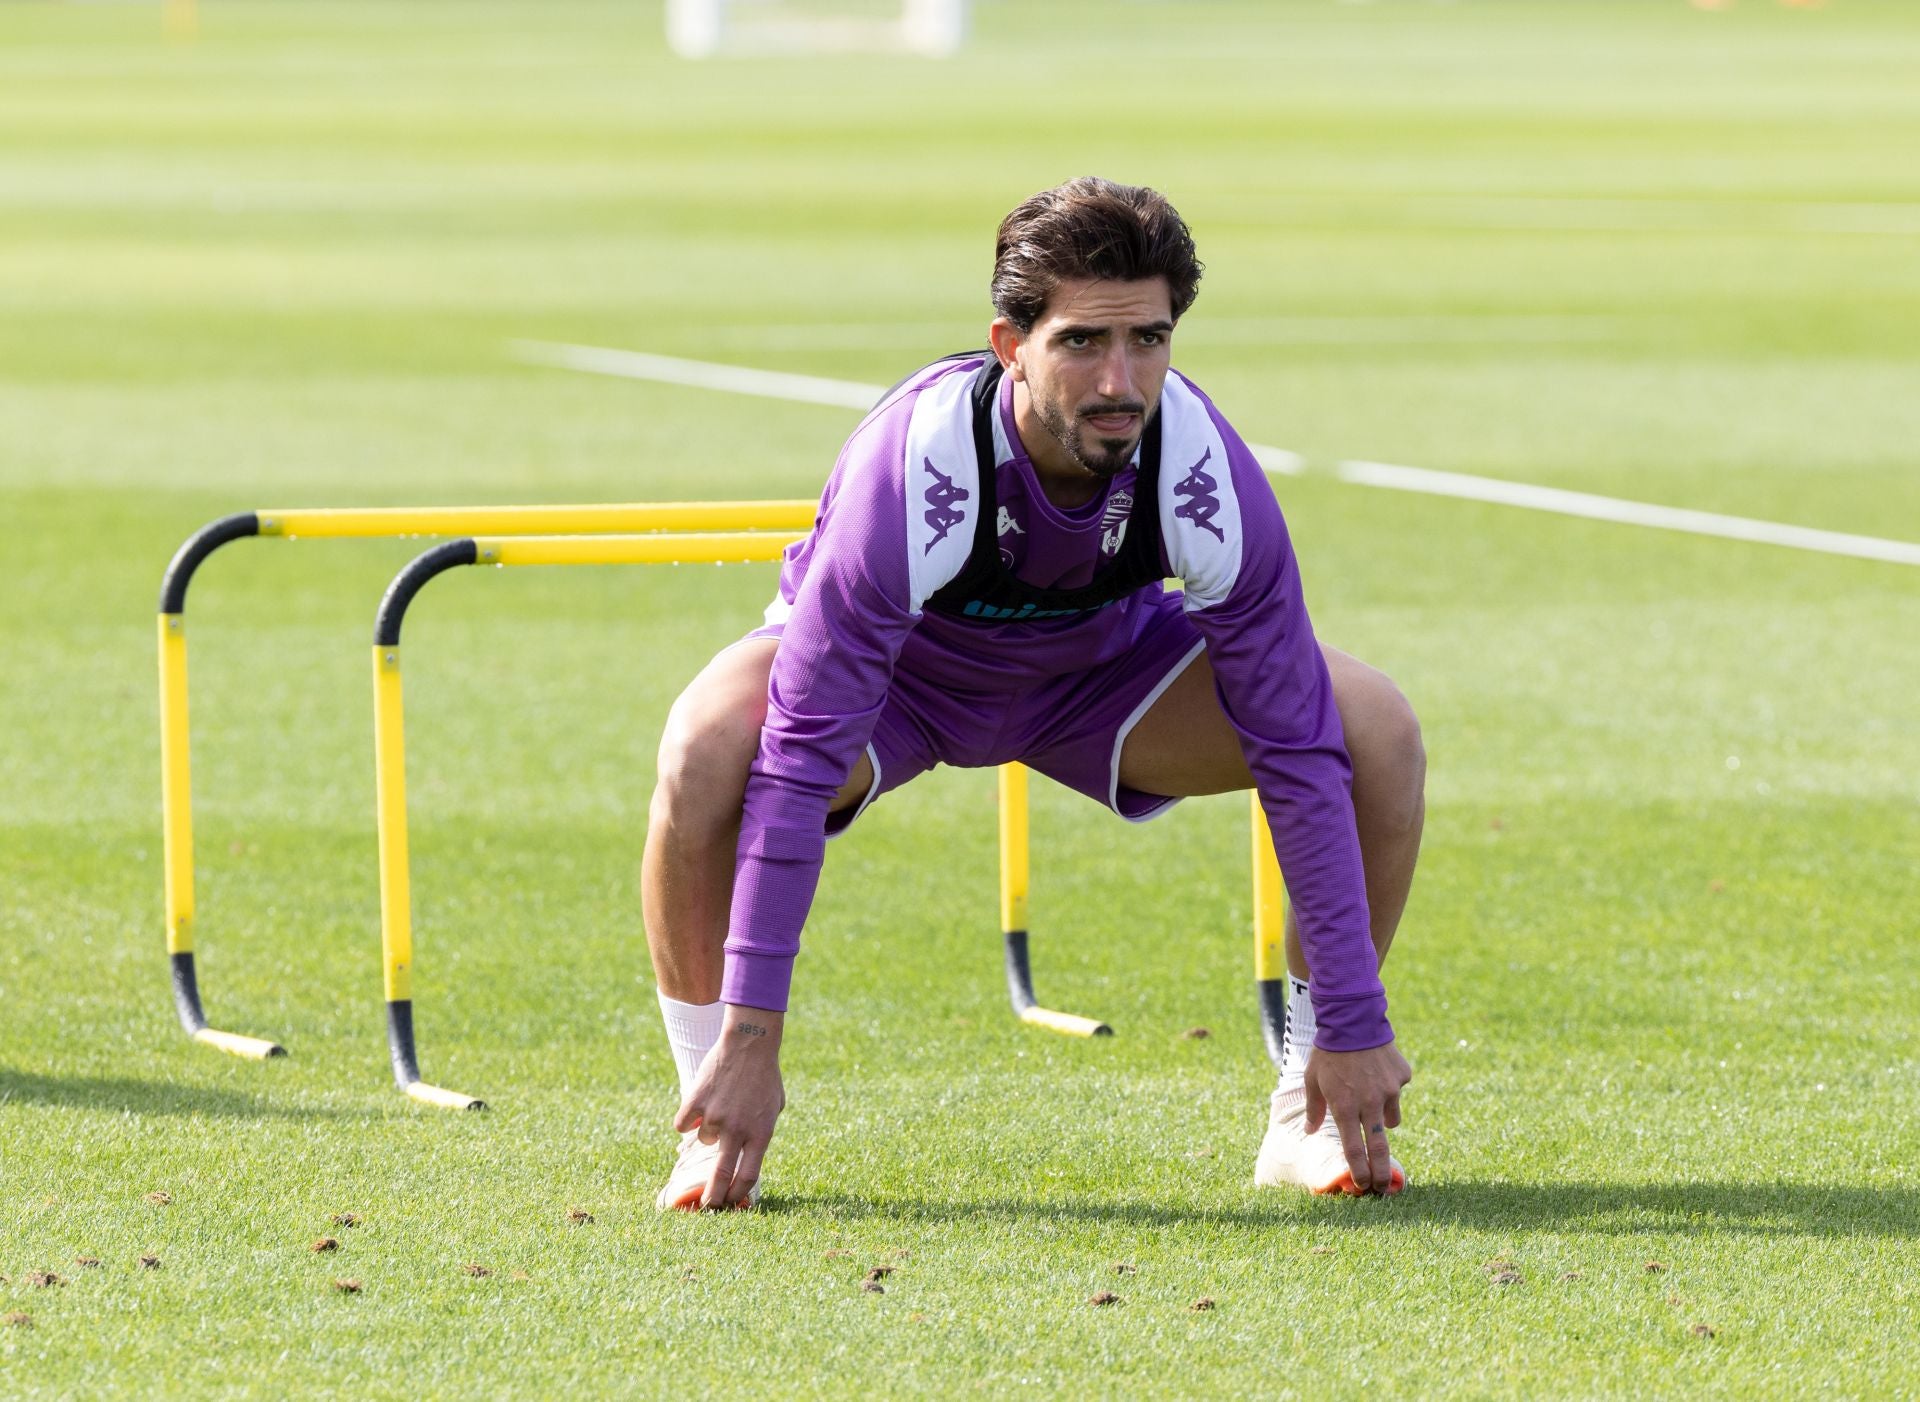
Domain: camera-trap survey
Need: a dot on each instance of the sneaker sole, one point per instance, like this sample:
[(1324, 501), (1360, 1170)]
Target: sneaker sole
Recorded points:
[(689, 1201), (1345, 1184)]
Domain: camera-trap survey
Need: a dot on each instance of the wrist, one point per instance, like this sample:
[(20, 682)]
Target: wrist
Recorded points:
[(751, 1031)]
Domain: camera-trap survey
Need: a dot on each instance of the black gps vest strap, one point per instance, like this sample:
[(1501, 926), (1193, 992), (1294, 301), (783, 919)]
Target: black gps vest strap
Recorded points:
[(986, 591)]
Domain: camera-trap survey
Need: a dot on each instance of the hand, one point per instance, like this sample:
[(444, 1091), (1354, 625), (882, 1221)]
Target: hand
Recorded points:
[(735, 1100), (1361, 1090)]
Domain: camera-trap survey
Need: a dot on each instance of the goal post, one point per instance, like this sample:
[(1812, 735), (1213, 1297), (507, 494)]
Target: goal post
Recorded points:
[(715, 28)]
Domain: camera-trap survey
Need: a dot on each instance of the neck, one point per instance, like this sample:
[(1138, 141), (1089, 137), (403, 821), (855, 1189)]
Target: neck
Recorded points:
[(1065, 481)]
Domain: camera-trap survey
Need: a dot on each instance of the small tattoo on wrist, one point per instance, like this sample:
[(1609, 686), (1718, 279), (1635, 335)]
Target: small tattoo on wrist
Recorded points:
[(749, 1029)]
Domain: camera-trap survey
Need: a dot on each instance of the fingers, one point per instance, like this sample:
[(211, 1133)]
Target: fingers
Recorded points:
[(720, 1183), (1353, 1143), (1391, 1116), (1379, 1163), (746, 1175), (1316, 1102), (690, 1114)]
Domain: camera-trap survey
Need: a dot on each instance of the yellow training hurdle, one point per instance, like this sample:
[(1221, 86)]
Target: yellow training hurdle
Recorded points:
[(1269, 922), (355, 523)]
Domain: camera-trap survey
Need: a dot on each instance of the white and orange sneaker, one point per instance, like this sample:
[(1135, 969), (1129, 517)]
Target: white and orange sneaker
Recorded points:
[(691, 1171), (1290, 1157)]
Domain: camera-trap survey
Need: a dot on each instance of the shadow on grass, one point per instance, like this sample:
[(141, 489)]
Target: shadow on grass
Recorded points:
[(122, 1094), (1611, 1209)]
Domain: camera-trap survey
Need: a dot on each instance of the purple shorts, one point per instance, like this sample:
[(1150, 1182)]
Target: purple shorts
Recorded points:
[(1070, 728)]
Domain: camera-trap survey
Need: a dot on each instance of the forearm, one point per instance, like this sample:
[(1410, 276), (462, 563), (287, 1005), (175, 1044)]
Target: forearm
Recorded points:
[(1278, 696), (1311, 817), (776, 871)]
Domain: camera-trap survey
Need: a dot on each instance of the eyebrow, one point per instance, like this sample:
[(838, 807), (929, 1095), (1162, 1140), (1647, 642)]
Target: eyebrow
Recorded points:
[(1163, 327)]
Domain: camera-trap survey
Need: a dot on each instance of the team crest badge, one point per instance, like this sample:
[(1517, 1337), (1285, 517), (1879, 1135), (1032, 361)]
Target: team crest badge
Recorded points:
[(1113, 521)]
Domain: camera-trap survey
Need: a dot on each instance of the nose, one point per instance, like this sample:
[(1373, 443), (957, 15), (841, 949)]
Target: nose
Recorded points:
[(1115, 382)]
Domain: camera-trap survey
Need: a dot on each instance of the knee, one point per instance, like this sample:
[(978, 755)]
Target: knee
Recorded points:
[(704, 757), (1389, 755)]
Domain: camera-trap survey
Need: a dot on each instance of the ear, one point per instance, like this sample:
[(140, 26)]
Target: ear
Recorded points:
[(1007, 341)]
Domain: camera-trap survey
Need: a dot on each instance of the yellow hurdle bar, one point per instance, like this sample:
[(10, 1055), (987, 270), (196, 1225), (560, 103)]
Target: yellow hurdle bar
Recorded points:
[(176, 790), (608, 518), (738, 548)]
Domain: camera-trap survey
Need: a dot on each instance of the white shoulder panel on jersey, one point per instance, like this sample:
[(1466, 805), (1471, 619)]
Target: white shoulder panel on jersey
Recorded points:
[(943, 485), (1199, 513), (1003, 449)]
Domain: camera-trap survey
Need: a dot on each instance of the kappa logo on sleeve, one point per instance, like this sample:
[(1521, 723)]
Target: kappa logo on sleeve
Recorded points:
[(1201, 505), (940, 499)]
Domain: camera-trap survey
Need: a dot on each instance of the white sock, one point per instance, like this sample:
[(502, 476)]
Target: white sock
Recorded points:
[(692, 1031), (1300, 1030)]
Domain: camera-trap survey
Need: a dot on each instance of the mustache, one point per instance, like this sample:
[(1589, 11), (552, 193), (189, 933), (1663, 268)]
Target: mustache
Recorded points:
[(1100, 410)]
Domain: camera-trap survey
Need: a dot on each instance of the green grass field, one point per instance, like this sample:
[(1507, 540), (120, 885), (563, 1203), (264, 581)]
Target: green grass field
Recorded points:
[(1658, 977)]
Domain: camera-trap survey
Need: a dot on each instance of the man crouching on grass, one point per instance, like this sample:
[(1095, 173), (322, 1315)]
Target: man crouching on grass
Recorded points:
[(985, 583)]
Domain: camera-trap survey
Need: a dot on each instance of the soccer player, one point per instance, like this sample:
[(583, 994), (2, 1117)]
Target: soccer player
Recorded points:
[(984, 583)]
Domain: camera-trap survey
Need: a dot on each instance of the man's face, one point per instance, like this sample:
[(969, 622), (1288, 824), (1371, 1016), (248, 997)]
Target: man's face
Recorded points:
[(1094, 365)]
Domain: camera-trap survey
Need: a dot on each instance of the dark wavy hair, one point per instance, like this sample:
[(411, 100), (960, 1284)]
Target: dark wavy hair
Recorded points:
[(1090, 228)]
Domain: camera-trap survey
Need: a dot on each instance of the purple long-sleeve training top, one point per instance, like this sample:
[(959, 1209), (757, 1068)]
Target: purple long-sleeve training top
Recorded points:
[(896, 523)]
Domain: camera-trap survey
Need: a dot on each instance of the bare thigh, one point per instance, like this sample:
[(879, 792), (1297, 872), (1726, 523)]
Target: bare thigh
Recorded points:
[(1183, 746), (715, 725)]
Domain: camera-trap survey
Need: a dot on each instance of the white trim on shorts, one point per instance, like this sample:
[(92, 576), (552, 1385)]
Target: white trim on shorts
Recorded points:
[(873, 792), (1126, 729), (756, 636)]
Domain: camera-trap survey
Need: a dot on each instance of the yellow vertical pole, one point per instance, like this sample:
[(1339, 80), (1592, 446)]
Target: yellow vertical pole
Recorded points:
[(176, 787), (390, 798), (1014, 852), (1269, 936), (396, 887), (1014, 862), (1269, 902)]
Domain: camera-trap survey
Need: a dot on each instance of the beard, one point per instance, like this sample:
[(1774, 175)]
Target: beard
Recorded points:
[(1103, 457)]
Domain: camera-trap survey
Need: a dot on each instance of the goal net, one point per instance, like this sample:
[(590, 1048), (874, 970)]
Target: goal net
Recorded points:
[(709, 28)]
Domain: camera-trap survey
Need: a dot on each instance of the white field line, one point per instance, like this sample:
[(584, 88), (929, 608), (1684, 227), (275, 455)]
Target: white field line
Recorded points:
[(700, 374), (1631, 513), (850, 394), (1278, 459)]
